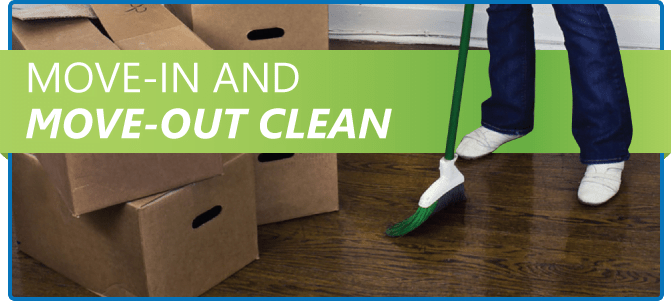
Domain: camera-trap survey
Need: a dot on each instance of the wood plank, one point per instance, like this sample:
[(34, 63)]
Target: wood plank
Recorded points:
[(521, 232)]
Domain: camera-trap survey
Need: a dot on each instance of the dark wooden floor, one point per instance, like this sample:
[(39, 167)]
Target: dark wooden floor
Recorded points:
[(522, 232)]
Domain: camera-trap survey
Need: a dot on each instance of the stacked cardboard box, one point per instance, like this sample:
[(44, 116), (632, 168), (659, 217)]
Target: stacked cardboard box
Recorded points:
[(89, 182), (290, 186), (161, 224), (257, 27), (56, 27), (146, 27), (179, 242), (152, 26), (130, 27), (148, 238)]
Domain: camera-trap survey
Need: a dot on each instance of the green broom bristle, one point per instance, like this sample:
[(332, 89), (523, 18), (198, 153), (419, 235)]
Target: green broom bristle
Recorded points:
[(411, 223), (422, 214)]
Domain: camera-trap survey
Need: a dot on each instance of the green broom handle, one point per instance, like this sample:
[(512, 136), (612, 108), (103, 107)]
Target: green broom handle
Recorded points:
[(459, 80)]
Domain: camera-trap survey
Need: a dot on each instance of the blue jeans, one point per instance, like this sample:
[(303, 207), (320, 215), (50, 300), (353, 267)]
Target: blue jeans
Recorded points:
[(601, 116)]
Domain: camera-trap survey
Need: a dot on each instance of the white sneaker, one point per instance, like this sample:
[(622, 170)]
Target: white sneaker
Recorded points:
[(482, 142), (600, 183)]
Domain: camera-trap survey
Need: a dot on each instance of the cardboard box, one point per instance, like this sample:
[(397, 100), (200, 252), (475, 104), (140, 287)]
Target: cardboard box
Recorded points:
[(295, 185), (88, 182), (257, 26), (57, 27), (228, 157), (147, 247), (146, 26)]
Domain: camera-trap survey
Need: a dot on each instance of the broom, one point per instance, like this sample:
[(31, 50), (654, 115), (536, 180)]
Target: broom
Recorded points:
[(449, 188)]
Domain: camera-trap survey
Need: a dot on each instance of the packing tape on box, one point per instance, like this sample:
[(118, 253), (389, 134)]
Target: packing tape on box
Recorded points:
[(52, 11)]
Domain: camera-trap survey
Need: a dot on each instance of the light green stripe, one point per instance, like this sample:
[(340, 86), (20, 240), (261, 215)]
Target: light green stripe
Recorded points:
[(415, 84)]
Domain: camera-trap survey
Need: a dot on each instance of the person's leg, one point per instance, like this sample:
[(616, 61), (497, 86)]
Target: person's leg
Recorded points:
[(509, 113), (601, 116), (602, 123), (512, 70)]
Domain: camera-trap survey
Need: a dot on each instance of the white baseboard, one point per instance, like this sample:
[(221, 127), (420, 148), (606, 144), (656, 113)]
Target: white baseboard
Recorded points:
[(637, 27)]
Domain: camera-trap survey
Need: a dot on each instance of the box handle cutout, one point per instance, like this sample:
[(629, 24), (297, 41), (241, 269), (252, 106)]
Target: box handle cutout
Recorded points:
[(273, 157), (206, 217), (265, 34)]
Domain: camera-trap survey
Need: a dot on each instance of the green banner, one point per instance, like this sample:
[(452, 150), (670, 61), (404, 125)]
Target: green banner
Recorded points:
[(288, 101)]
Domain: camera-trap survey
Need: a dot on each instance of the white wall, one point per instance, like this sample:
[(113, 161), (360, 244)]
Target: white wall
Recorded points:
[(637, 25)]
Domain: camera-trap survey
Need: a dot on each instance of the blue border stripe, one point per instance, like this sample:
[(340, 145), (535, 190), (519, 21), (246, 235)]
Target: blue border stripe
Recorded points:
[(661, 31), (9, 225), (661, 225)]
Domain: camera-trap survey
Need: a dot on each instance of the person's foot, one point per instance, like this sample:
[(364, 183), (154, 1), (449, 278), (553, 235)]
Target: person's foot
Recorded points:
[(482, 142), (600, 183)]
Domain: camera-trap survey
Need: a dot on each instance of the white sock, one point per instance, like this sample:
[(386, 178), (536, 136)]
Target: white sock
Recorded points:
[(600, 183), (482, 142)]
